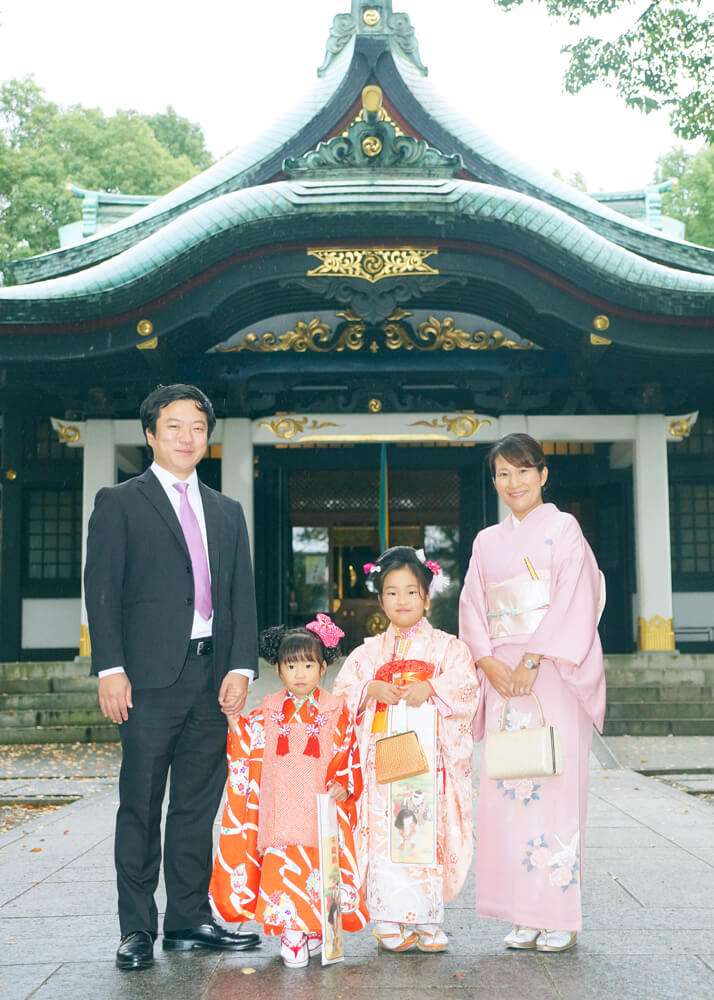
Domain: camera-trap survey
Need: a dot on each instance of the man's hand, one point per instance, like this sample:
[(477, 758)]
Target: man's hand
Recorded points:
[(234, 691), (115, 697), (416, 693), (338, 793)]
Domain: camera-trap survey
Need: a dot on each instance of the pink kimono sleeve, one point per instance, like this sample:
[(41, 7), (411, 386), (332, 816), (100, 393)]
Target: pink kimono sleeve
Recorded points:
[(473, 622), (568, 634), (569, 627)]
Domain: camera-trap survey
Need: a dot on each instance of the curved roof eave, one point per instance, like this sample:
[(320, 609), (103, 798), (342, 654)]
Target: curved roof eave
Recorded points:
[(235, 170), (440, 209), (498, 166)]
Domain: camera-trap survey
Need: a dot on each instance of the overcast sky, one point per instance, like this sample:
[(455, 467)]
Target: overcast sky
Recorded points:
[(233, 65)]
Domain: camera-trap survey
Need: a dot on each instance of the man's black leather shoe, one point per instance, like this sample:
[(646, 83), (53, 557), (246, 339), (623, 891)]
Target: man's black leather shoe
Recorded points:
[(136, 951), (209, 936)]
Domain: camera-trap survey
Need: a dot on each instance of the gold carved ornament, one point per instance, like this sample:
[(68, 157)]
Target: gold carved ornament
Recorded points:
[(145, 328), (314, 336), (444, 335), (371, 17), (288, 428), (377, 623), (371, 263), (679, 428), (655, 635), (372, 98), (462, 425), (85, 644), (69, 434)]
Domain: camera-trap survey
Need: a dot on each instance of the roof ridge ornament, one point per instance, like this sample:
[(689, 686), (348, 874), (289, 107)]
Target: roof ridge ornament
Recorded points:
[(372, 17), (373, 144)]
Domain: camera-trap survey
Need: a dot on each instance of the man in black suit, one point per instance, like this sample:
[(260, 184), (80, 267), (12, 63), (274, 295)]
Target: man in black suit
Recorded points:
[(171, 605)]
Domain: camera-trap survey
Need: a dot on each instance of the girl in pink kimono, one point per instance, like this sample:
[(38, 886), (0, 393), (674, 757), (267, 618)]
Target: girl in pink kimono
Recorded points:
[(529, 612), (414, 836)]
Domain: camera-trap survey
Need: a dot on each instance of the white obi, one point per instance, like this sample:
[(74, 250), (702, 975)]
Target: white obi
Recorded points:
[(517, 606)]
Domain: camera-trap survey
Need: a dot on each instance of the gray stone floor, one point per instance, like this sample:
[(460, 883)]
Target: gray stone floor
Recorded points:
[(648, 906)]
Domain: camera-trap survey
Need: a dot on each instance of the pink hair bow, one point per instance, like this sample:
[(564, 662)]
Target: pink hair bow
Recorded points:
[(326, 630), (370, 567), (433, 566)]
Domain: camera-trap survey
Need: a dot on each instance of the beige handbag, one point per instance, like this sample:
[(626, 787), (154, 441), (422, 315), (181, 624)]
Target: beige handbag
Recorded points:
[(523, 753), (399, 756)]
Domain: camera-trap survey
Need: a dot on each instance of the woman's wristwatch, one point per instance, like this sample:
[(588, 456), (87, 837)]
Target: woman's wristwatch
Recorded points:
[(530, 663)]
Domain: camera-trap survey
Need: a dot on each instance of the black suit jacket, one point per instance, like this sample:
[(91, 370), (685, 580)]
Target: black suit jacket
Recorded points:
[(139, 584)]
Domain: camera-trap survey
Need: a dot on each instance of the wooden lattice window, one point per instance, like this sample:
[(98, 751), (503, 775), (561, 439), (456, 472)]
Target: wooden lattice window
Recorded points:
[(692, 529), (54, 535)]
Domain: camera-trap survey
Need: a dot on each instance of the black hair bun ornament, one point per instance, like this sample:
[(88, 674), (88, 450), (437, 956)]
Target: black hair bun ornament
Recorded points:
[(269, 642)]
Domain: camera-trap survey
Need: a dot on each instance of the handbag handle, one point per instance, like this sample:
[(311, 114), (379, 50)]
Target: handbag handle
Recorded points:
[(505, 705)]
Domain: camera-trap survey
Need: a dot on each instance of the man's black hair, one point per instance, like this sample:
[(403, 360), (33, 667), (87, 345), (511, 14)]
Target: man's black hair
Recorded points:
[(162, 395)]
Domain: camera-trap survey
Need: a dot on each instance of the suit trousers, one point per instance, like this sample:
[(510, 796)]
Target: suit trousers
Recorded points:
[(178, 729)]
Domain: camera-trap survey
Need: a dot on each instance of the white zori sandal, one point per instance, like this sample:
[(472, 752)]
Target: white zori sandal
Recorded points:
[(522, 937), (314, 943), (556, 940), (294, 949), (431, 937), (394, 937)]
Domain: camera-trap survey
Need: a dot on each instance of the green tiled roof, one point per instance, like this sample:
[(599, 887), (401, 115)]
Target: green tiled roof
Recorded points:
[(446, 207), (517, 174)]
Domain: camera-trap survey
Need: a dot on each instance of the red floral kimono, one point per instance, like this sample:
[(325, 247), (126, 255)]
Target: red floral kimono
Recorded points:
[(267, 862)]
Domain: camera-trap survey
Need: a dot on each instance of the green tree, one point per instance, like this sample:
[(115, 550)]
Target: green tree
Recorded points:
[(693, 199), (181, 137), (44, 146), (664, 57)]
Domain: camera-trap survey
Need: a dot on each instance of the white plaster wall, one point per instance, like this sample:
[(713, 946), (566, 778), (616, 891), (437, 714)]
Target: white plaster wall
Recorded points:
[(50, 623)]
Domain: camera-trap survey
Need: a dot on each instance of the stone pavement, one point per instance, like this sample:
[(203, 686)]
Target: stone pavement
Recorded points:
[(648, 902)]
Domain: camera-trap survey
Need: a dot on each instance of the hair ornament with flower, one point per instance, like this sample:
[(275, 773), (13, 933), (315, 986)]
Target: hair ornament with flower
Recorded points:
[(326, 630), (369, 569), (440, 581)]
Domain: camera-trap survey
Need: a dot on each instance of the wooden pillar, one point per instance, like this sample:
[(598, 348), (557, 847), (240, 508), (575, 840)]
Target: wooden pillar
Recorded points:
[(237, 481), (655, 631), (11, 481), (100, 470)]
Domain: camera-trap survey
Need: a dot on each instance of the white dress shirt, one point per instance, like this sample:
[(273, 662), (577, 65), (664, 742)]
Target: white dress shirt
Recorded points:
[(202, 628)]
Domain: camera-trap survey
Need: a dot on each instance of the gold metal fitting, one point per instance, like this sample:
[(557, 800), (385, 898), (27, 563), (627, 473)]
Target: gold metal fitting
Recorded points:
[(144, 327), (375, 406), (371, 17), (371, 145), (601, 323), (11, 475), (372, 98)]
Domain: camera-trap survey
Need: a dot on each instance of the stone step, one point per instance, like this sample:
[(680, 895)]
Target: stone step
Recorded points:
[(107, 733), (28, 669), (21, 718), (659, 727), (657, 692), (660, 709), (49, 699)]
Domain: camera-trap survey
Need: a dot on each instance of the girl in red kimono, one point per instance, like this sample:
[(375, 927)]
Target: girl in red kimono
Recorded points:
[(298, 743)]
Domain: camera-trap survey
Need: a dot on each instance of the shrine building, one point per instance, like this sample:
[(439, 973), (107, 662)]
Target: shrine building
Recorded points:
[(371, 271)]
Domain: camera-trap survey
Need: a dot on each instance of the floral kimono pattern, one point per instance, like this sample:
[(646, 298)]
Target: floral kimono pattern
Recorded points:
[(407, 893), (278, 884), (530, 832)]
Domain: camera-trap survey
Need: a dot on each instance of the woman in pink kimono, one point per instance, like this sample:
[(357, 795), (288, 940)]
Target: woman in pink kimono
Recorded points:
[(529, 612), (414, 836)]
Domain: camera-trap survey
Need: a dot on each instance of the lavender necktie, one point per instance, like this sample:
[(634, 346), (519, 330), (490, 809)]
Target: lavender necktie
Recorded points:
[(197, 551)]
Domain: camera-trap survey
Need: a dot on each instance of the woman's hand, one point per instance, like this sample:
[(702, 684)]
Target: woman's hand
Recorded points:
[(523, 679), (499, 676), (388, 694), (338, 793), (416, 693)]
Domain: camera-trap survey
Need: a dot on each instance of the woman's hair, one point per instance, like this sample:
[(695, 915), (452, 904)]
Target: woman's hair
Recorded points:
[(162, 395), (400, 557), (520, 450), (280, 644)]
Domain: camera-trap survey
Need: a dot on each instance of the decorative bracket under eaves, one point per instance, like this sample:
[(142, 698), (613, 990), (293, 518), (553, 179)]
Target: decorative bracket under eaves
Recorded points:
[(373, 145)]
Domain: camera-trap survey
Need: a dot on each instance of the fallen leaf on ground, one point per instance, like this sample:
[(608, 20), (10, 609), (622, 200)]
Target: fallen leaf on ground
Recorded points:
[(247, 971), (35, 850)]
